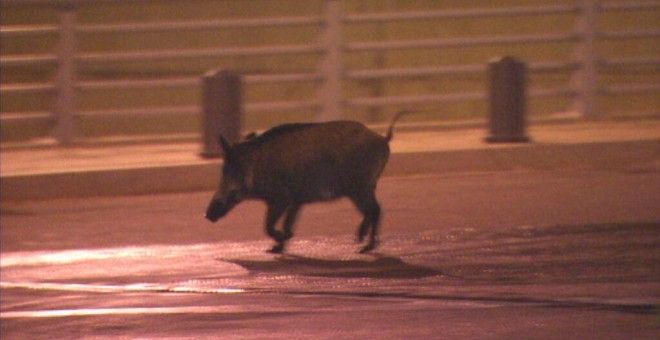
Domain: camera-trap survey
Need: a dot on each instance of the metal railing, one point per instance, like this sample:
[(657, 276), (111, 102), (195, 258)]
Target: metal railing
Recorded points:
[(442, 43), (331, 78)]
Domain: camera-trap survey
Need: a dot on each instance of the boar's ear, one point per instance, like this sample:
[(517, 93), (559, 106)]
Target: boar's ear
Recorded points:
[(226, 148)]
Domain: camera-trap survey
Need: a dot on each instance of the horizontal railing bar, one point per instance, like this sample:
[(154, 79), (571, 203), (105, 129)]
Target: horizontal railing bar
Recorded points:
[(118, 84), (198, 25), (284, 77), (629, 34), (459, 13), (17, 30), (156, 55), (635, 61), (30, 115), (183, 110), (27, 59), (628, 5), (191, 81), (447, 97), (282, 106), (25, 88), (191, 110), (60, 3), (414, 72), (449, 69), (557, 92), (550, 66), (415, 100), (632, 88), (455, 42)]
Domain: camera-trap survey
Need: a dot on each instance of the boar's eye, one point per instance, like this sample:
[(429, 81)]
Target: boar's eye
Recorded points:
[(232, 176)]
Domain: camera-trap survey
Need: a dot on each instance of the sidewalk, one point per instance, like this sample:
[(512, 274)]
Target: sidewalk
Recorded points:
[(44, 173)]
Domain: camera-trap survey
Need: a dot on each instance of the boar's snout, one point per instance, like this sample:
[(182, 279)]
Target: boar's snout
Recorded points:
[(216, 211), (213, 213), (219, 207)]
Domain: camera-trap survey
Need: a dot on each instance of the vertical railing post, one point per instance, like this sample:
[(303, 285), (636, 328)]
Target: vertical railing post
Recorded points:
[(508, 102), (222, 111), (65, 79), (331, 66), (586, 78)]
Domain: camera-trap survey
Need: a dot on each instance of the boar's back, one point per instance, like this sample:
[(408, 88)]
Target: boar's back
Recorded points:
[(311, 162)]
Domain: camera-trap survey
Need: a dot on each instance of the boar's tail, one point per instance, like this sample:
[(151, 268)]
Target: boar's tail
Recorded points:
[(390, 131)]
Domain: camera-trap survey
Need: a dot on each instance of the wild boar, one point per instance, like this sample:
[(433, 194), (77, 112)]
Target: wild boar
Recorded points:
[(294, 164)]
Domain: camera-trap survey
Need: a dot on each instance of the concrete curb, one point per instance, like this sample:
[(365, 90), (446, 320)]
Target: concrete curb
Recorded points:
[(625, 155)]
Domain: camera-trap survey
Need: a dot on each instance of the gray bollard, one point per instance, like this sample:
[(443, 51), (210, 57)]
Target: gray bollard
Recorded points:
[(507, 101), (222, 111)]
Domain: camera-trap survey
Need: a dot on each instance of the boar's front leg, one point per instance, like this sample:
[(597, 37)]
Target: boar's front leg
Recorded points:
[(273, 214), (275, 211), (289, 220)]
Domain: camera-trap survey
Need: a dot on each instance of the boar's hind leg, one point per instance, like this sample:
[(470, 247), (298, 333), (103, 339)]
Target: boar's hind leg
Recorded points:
[(369, 207)]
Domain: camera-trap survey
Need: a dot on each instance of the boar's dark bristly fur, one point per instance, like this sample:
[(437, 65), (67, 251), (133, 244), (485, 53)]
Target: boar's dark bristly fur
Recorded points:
[(294, 164)]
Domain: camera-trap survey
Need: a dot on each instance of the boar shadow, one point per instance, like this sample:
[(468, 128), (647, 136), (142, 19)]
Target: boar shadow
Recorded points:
[(379, 266)]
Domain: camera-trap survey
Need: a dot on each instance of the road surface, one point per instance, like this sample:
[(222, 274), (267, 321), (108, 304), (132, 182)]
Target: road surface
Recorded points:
[(546, 255)]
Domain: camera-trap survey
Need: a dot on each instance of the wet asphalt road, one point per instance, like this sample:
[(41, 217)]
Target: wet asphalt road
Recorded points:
[(547, 255)]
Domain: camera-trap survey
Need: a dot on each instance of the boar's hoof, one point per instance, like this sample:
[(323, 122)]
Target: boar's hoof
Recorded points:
[(369, 247), (277, 249)]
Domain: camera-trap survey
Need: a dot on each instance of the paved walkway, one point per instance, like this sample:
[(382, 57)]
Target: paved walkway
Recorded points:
[(32, 173)]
